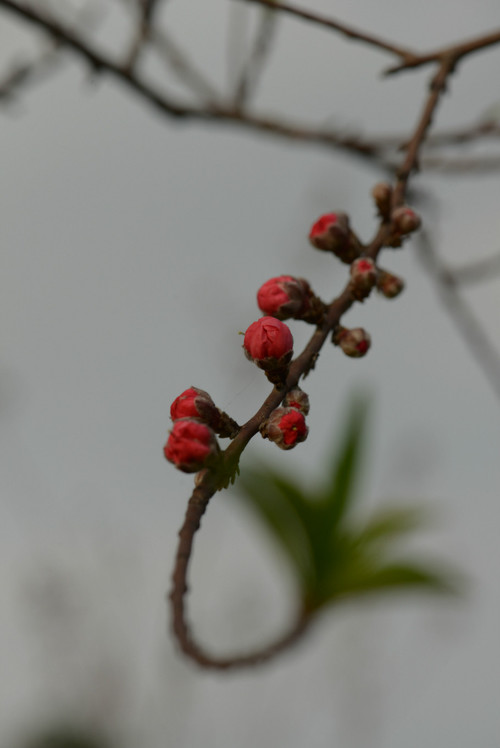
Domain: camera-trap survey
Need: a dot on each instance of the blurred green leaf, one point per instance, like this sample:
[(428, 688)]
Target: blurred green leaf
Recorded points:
[(391, 523), (331, 555), (345, 466), (278, 510)]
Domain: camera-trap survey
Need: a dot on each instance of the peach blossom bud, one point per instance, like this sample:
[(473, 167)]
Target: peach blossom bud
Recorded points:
[(354, 343), (268, 342), (405, 220), (284, 297), (191, 445), (330, 232), (298, 399), (363, 277), (286, 427), (389, 285), (382, 194), (193, 403)]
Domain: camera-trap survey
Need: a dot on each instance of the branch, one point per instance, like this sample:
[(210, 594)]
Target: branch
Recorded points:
[(195, 510), (404, 53), (455, 50), (208, 482), (460, 312)]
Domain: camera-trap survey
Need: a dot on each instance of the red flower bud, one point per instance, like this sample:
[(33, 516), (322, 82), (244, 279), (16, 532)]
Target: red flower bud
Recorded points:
[(286, 427), (355, 343), (297, 399), (190, 445), (330, 232), (363, 277), (269, 343), (389, 285), (405, 220), (193, 403), (284, 297)]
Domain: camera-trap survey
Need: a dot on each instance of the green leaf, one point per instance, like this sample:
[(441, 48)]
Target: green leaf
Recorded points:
[(338, 494), (390, 524), (400, 576), (279, 505)]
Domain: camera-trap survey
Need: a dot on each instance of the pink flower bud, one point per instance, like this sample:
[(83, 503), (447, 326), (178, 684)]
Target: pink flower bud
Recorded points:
[(354, 343), (297, 399), (405, 220), (363, 277), (286, 427), (330, 232), (284, 297), (389, 285), (269, 343), (193, 403), (190, 445)]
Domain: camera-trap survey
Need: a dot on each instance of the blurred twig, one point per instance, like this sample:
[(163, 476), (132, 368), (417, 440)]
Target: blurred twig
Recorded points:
[(23, 73), (472, 332), (403, 52), (258, 56)]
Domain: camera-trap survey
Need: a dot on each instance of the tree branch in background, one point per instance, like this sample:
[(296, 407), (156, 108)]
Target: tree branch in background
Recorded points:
[(447, 281)]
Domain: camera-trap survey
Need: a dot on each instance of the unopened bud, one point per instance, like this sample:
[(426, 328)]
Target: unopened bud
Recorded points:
[(354, 343), (332, 233), (298, 399), (193, 403), (405, 220), (363, 277), (284, 297), (382, 194), (269, 344), (389, 285), (286, 427), (191, 445)]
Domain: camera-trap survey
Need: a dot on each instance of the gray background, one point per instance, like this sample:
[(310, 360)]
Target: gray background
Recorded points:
[(132, 248)]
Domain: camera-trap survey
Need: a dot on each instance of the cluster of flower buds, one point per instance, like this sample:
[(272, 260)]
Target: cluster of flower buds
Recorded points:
[(268, 343), (332, 233), (192, 443), (287, 297), (286, 426), (354, 343)]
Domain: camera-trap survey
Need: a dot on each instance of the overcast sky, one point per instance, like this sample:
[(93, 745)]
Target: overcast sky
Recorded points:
[(132, 249)]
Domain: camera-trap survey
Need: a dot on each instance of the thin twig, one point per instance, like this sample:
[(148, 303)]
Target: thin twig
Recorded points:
[(26, 72), (403, 52), (476, 272), (257, 58), (455, 50)]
